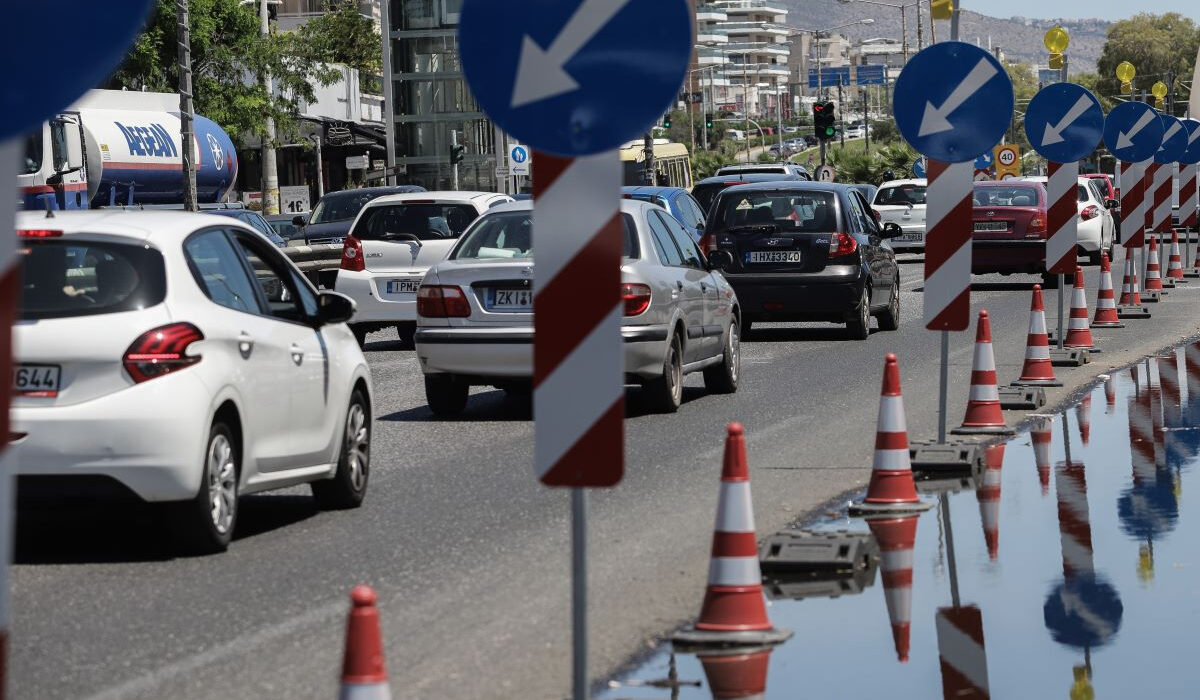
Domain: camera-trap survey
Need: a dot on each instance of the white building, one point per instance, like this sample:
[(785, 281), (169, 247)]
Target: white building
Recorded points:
[(742, 54)]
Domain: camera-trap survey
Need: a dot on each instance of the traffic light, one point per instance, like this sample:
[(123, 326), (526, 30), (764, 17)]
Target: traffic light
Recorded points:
[(824, 120), (708, 120), (666, 121), (457, 153)]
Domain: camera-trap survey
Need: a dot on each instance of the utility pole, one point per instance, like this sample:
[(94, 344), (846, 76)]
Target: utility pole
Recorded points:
[(841, 119), (270, 178), (501, 142), (920, 30), (866, 123), (316, 138), (453, 159), (746, 100), (183, 35), (691, 107), (904, 31), (389, 95), (932, 24), (954, 21), (648, 165)]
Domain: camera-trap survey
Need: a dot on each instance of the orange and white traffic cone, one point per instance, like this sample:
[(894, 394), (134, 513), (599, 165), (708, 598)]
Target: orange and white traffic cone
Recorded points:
[(1175, 260), (892, 488), (1040, 435), (1079, 331), (988, 495), (1037, 370), (983, 405), (1106, 305), (1083, 415), (896, 537), (734, 610), (1153, 267), (363, 674), (740, 674)]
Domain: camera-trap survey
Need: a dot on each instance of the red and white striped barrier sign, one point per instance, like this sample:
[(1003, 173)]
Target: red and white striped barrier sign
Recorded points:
[(578, 358), (1133, 199), (1189, 195), (1163, 182), (1172, 397), (10, 296), (948, 206), (961, 653), (1062, 217)]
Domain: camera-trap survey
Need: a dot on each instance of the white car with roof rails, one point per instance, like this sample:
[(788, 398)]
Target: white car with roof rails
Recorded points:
[(1096, 229), (394, 240), (902, 202), (180, 358), (476, 311)]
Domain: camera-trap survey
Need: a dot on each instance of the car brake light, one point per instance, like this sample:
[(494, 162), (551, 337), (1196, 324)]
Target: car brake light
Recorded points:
[(708, 243), (1089, 212), (352, 255), (842, 244), (1037, 224), (636, 298), (38, 233), (442, 301), (161, 351)]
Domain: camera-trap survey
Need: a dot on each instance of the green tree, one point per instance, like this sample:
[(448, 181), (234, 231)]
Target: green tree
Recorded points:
[(1091, 81), (343, 35), (1155, 44)]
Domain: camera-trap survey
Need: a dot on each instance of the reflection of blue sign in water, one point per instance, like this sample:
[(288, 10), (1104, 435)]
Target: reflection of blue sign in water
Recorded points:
[(831, 76), (918, 167), (1133, 132), (1148, 511), (1084, 611), (1191, 155), (519, 154), (984, 161), (870, 75), (1064, 122), (556, 74), (1174, 143), (953, 102)]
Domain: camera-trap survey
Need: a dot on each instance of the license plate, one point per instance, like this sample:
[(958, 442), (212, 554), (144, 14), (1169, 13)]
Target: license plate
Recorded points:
[(510, 299), (37, 381), (403, 286), (991, 225), (915, 237), (791, 257)]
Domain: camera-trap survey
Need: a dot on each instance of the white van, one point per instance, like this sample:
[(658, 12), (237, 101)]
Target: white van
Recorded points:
[(735, 134)]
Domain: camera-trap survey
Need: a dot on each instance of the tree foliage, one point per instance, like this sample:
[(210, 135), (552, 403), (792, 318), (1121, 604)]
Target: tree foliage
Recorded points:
[(343, 35), (869, 168), (1156, 45)]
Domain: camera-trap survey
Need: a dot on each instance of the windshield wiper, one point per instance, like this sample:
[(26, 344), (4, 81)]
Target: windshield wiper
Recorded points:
[(753, 228)]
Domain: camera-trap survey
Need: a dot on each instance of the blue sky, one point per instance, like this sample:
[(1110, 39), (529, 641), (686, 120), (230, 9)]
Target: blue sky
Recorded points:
[(1106, 9)]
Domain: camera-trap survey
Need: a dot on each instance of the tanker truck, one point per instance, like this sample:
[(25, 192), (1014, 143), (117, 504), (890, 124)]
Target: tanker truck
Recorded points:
[(121, 147)]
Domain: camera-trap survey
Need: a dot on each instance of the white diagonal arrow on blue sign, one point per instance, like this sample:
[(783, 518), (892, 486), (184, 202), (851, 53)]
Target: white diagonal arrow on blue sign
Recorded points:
[(1053, 133), (936, 119), (1125, 139), (1175, 126)]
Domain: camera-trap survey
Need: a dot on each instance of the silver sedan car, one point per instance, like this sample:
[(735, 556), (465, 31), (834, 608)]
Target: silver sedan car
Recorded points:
[(475, 310)]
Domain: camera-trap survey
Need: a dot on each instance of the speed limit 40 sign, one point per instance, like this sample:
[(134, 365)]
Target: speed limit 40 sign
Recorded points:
[(1008, 162)]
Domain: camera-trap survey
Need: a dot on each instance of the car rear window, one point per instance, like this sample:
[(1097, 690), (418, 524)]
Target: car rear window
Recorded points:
[(804, 211), (428, 221), (60, 279), (705, 193), (510, 235), (341, 207), (765, 170), (1010, 196), (900, 195)]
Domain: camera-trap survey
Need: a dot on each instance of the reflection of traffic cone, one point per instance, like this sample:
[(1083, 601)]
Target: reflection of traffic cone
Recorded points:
[(363, 674), (1083, 415), (1040, 435), (1153, 268), (1175, 260), (892, 489), (1168, 376), (1079, 332), (1191, 362), (734, 611), (740, 674), (983, 404), (1037, 370), (1106, 306), (896, 537), (988, 494), (1110, 394)]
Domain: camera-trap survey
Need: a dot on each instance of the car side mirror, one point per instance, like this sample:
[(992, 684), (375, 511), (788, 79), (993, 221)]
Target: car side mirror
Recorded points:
[(298, 221), (334, 308), (891, 230), (1111, 203), (719, 260)]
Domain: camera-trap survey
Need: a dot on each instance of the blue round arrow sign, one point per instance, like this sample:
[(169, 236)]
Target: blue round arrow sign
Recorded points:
[(984, 161), (1064, 122), (1191, 155), (953, 102), (86, 40), (1174, 143), (575, 77), (1132, 132), (918, 167)]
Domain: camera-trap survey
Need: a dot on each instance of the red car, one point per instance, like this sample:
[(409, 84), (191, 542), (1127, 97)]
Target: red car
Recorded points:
[(1010, 229)]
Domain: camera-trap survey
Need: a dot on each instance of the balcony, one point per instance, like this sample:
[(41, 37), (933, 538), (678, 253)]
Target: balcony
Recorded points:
[(754, 10), (758, 48), (738, 72), (765, 29), (711, 57), (712, 35), (711, 13)]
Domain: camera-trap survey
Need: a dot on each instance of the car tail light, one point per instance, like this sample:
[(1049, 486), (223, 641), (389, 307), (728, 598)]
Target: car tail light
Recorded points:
[(161, 351), (842, 244), (636, 298), (352, 255), (1089, 212), (1037, 225), (442, 301), (38, 233), (708, 243)]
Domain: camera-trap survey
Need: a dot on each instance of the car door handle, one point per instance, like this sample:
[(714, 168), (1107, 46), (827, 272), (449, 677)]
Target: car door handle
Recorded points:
[(679, 285), (704, 287), (245, 344), (297, 354)]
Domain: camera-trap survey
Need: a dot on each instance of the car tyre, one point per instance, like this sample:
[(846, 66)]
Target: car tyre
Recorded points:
[(889, 318), (723, 378), (1049, 280), (858, 325), (349, 483), (204, 525), (1094, 258), (407, 333), (666, 392), (360, 334), (446, 394)]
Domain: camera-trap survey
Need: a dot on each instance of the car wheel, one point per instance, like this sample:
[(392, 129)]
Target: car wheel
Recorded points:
[(349, 483), (723, 378), (1049, 280), (666, 392), (407, 332), (858, 325), (446, 394), (889, 318), (205, 523), (1094, 258), (360, 334)]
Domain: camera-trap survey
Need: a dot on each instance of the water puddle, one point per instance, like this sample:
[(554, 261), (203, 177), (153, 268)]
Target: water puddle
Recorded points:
[(1068, 568)]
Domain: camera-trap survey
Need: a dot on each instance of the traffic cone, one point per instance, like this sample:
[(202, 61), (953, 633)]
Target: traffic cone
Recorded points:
[(1153, 269), (1037, 370), (1079, 331), (363, 674), (1083, 414), (892, 489), (1040, 435), (1106, 306), (988, 494), (983, 405), (734, 611), (1175, 261), (736, 674), (896, 537)]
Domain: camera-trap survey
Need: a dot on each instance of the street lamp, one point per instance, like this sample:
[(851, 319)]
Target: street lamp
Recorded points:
[(903, 7)]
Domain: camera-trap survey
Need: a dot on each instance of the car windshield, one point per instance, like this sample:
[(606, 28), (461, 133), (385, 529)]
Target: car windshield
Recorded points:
[(802, 211), (287, 230), (33, 153), (427, 221), (1010, 196), (61, 279), (900, 195), (509, 235), (341, 207)]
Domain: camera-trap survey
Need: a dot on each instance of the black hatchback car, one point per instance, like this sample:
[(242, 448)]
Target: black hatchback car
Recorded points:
[(806, 251)]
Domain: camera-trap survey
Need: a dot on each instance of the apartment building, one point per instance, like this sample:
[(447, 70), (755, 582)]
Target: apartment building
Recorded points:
[(742, 55)]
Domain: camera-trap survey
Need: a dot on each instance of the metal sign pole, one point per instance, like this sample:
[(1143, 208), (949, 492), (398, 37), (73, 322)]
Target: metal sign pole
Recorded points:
[(579, 636), (943, 387), (1062, 281)]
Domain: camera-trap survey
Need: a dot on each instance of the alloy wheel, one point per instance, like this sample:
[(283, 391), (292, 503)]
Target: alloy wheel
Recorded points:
[(358, 448), (222, 483)]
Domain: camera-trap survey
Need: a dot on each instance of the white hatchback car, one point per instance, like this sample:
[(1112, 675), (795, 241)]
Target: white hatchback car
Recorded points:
[(181, 358), (902, 202), (393, 241), (1096, 227)]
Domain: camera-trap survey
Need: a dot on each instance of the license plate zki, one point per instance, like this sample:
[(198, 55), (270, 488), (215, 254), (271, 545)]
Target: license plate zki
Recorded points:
[(39, 381), (773, 256), (512, 299), (403, 286)]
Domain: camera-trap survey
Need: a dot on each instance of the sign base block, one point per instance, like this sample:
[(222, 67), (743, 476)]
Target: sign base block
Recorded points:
[(1151, 297), (1168, 283), (1068, 357), (1191, 274), (948, 458), (795, 551), (1133, 311), (1021, 398)]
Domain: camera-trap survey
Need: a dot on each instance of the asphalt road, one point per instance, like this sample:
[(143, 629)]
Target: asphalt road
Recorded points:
[(469, 555)]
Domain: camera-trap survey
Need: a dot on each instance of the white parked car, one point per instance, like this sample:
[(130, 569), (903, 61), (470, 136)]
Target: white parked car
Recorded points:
[(902, 202), (1096, 226), (476, 311), (393, 241), (181, 358)]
